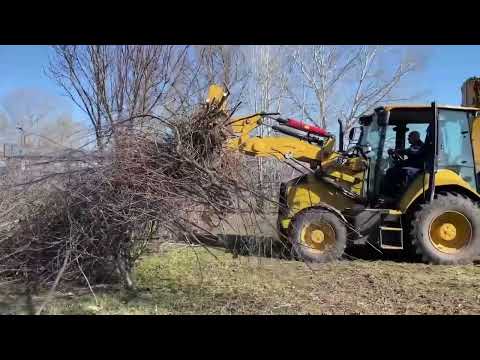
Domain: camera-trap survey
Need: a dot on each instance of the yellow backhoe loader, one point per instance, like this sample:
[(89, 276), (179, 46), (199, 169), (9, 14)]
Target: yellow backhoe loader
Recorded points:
[(431, 209)]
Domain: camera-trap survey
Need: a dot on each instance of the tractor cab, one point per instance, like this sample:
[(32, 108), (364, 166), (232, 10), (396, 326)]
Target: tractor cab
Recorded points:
[(445, 137)]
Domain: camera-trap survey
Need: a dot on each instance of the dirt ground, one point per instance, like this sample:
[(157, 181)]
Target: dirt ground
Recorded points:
[(195, 280)]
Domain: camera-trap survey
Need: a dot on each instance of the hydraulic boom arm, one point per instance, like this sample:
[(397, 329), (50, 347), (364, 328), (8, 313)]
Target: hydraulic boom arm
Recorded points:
[(305, 148), (280, 147)]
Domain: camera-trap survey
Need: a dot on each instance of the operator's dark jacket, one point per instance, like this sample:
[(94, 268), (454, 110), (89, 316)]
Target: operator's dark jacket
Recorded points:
[(416, 156), (402, 173)]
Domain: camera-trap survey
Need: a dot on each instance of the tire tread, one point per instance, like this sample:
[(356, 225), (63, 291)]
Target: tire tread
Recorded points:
[(419, 230)]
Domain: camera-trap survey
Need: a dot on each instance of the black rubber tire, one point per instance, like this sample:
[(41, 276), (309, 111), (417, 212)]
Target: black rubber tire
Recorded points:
[(421, 224), (309, 216)]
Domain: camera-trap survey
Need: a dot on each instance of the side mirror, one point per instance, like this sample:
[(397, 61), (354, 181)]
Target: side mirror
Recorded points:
[(382, 117), (354, 134), (351, 134), (340, 135)]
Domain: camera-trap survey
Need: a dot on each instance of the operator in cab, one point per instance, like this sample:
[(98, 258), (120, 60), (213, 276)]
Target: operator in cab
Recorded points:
[(414, 152), (405, 169)]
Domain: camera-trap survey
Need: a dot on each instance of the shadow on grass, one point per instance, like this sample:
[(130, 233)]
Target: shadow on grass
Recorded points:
[(368, 253), (272, 247)]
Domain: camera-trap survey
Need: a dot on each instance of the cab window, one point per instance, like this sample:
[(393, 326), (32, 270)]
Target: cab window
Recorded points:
[(454, 144)]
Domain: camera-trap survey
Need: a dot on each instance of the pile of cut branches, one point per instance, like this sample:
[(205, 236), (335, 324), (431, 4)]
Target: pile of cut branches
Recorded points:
[(92, 224)]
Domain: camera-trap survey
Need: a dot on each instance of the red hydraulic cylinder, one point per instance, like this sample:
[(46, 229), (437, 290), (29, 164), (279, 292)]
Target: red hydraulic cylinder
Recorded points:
[(300, 125)]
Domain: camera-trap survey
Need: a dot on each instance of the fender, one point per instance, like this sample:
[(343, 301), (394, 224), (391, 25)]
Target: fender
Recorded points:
[(443, 178), (329, 208)]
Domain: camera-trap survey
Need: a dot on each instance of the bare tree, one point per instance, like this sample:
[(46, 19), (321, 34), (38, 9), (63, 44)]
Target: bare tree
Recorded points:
[(268, 80), (61, 133), (266, 92), (344, 82), (4, 123), (28, 114), (112, 84), (206, 65), (28, 107)]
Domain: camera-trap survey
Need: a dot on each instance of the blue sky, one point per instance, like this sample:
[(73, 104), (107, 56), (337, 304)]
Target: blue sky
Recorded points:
[(445, 70), (23, 67)]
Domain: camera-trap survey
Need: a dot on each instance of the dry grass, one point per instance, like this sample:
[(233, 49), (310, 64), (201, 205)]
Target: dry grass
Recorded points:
[(185, 280)]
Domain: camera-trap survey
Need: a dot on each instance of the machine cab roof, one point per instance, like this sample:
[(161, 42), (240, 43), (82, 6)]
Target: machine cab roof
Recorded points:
[(410, 113)]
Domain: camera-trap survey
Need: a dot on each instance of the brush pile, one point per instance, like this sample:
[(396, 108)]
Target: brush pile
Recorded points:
[(92, 224)]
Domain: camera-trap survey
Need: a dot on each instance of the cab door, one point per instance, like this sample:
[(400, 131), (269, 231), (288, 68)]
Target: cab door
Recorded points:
[(475, 136), (455, 142)]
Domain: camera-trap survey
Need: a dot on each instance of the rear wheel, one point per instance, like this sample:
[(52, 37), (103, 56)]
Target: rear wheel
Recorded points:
[(447, 230), (318, 236)]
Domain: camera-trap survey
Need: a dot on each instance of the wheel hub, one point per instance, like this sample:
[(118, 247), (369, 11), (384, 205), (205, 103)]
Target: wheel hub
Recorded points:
[(450, 232), (318, 237), (447, 231)]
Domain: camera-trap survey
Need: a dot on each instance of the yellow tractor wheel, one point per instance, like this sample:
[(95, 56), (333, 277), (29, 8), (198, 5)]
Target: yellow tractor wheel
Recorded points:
[(318, 235), (447, 230)]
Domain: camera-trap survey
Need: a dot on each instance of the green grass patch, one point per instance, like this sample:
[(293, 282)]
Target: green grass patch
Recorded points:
[(186, 280)]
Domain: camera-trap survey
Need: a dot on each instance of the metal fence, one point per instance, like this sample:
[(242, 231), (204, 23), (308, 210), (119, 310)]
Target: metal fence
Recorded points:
[(10, 150)]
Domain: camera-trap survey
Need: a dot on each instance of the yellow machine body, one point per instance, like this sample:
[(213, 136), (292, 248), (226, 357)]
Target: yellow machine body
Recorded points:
[(444, 178), (309, 192), (347, 176)]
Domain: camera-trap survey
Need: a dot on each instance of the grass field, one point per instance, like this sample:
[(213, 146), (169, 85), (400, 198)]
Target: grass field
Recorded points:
[(186, 280)]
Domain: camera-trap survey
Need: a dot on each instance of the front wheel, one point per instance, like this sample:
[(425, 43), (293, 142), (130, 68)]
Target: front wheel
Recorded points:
[(447, 230), (318, 236)]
